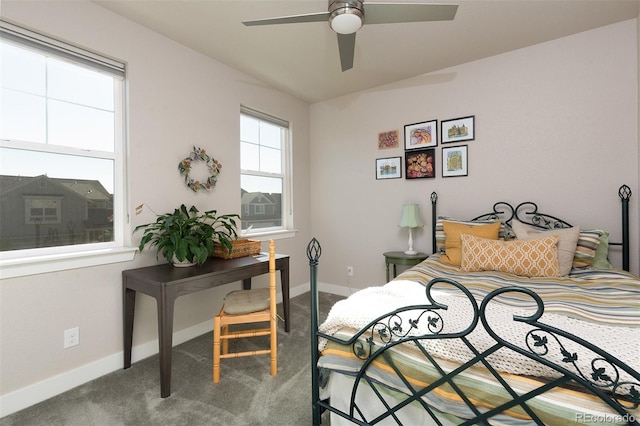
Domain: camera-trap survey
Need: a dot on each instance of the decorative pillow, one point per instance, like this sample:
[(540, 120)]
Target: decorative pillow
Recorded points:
[(588, 244), (566, 245), (601, 260), (505, 231), (528, 258), (453, 244)]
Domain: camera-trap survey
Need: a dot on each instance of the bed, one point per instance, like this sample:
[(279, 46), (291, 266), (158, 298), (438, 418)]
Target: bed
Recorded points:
[(513, 320)]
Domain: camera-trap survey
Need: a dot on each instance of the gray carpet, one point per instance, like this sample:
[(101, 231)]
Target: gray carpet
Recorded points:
[(246, 394)]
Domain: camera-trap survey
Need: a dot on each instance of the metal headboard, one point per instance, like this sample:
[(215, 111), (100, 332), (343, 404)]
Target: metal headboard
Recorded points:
[(527, 212)]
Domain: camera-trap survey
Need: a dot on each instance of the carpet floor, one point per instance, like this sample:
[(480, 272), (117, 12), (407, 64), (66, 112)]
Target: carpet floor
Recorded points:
[(246, 394)]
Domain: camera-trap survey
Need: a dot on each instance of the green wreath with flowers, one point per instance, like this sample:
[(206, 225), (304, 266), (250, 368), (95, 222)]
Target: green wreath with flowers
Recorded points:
[(214, 167)]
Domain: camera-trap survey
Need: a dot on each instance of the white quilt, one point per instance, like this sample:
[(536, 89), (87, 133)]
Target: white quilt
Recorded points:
[(365, 305)]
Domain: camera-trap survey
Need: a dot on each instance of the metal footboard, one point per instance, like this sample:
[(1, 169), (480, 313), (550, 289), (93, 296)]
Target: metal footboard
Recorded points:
[(605, 377)]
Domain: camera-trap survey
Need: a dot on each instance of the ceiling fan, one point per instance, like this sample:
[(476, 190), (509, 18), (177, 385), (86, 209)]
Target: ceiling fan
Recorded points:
[(346, 17)]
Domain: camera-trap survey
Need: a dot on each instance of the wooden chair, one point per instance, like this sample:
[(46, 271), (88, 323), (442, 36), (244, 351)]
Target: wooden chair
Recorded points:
[(247, 307)]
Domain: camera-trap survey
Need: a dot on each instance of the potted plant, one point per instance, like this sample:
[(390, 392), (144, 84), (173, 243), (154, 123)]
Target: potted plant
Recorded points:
[(188, 236)]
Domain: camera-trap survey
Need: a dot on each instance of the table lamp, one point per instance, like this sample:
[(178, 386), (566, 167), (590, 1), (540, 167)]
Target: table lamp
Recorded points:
[(410, 219)]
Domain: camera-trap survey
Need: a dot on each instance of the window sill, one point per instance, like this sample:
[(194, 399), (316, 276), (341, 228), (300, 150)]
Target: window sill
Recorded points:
[(266, 236), (32, 265)]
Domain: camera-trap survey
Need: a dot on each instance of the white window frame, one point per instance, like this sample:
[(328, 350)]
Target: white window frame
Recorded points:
[(286, 230), (42, 260)]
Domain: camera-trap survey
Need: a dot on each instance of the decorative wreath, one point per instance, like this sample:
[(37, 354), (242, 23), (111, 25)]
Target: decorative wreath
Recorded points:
[(199, 154)]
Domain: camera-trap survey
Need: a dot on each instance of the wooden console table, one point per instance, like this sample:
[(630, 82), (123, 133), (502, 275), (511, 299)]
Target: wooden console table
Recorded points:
[(166, 283)]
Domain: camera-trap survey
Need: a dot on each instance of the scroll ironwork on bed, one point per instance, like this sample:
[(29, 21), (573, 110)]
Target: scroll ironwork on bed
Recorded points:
[(527, 212), (604, 379), (582, 364)]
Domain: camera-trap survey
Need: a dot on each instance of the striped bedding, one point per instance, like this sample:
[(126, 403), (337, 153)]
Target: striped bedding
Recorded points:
[(602, 296), (600, 306), (559, 406)]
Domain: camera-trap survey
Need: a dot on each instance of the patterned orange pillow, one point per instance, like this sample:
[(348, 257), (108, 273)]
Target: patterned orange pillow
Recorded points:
[(528, 258)]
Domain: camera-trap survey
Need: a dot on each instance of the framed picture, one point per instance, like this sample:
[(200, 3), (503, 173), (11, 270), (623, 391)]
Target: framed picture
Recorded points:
[(454, 161), (458, 129), (420, 163), (421, 135), (388, 139), (389, 168)]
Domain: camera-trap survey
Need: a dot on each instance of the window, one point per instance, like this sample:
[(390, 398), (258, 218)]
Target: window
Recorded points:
[(42, 210), (264, 175), (61, 147)]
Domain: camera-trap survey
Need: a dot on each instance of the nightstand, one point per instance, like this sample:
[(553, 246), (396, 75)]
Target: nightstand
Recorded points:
[(396, 258)]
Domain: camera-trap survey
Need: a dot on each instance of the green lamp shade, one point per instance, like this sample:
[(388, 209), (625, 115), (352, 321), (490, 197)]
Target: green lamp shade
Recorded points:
[(410, 216)]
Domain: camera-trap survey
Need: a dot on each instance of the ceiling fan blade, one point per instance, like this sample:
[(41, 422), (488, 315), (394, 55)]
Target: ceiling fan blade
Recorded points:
[(293, 19), (389, 13), (347, 47)]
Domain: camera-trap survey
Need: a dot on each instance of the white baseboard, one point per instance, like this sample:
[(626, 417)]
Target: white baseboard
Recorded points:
[(335, 289), (48, 388)]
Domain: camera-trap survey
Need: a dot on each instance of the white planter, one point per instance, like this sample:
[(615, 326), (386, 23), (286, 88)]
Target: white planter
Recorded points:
[(184, 264)]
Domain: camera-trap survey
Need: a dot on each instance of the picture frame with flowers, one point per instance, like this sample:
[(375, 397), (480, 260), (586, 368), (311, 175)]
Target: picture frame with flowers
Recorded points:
[(420, 164)]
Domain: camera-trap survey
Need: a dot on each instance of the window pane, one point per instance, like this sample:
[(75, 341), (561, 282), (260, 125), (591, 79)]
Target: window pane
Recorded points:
[(23, 117), (54, 200), (249, 156), (80, 127), (261, 201), (249, 129), (270, 135), (72, 83), (22, 70), (270, 160)]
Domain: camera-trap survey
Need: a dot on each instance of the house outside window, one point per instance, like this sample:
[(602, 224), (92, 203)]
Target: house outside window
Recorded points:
[(264, 176), (62, 179)]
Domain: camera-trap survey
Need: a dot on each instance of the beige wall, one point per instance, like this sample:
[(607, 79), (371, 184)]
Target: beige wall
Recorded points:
[(178, 98), (556, 123)]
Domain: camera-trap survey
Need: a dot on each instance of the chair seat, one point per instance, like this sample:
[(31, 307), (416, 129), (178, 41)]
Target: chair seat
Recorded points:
[(245, 301)]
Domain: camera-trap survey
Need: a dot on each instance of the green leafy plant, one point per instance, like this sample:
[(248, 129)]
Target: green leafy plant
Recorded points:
[(188, 235)]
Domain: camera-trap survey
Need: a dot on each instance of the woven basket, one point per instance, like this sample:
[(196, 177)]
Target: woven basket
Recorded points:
[(241, 248)]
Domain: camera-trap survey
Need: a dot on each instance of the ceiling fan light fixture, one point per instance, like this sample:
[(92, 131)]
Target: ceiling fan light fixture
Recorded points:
[(347, 22), (346, 16)]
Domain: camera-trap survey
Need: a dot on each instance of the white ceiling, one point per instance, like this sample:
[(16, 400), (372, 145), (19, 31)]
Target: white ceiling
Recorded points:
[(302, 59)]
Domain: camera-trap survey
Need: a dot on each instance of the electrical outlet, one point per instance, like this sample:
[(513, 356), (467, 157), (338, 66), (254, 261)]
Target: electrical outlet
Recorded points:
[(71, 337), (350, 271)]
